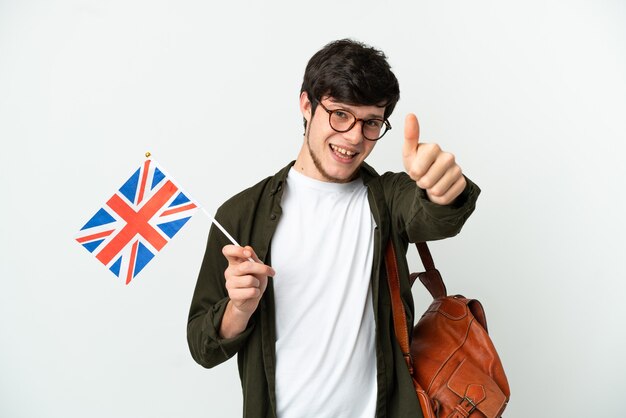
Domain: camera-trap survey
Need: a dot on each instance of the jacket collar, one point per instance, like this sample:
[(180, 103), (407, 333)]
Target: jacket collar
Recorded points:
[(276, 183), (367, 173)]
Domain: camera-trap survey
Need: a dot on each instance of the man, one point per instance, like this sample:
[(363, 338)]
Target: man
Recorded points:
[(313, 332)]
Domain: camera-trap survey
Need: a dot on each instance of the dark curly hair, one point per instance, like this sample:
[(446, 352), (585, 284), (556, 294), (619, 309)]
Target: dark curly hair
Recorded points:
[(351, 72)]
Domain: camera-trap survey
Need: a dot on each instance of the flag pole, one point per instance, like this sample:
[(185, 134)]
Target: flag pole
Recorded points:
[(215, 222), (221, 228)]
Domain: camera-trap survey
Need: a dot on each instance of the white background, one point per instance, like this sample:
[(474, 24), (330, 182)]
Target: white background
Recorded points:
[(530, 96)]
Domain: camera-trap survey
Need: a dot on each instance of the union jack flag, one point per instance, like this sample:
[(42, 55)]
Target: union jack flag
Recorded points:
[(137, 221)]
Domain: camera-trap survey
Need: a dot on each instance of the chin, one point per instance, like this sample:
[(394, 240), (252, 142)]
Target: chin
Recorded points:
[(339, 176)]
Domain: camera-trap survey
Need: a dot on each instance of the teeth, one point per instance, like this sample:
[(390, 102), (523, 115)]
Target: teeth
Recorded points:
[(342, 151)]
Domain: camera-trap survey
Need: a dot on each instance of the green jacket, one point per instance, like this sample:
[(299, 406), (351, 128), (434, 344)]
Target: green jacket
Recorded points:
[(402, 213)]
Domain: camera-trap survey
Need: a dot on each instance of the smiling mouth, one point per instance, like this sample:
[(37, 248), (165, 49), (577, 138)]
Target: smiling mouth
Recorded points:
[(342, 152)]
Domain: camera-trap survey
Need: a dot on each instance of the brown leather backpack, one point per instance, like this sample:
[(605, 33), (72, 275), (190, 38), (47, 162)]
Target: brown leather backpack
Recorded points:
[(455, 367)]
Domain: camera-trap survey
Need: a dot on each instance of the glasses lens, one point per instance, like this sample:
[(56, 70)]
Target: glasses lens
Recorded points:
[(373, 129), (341, 121)]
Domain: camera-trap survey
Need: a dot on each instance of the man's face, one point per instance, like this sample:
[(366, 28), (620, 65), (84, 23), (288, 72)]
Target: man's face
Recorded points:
[(333, 156)]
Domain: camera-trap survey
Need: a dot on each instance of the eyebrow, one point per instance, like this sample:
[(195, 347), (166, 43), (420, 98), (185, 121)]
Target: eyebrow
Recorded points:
[(349, 107)]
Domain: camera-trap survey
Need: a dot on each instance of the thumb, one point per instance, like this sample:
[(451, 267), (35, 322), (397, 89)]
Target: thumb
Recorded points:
[(251, 254), (248, 251), (411, 135)]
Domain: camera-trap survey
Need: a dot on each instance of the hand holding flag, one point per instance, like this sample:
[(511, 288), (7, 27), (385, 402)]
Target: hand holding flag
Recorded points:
[(246, 280)]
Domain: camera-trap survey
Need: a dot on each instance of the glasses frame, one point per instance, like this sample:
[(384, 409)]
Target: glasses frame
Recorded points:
[(354, 122)]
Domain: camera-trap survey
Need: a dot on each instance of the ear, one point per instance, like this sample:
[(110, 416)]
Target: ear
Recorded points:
[(305, 106)]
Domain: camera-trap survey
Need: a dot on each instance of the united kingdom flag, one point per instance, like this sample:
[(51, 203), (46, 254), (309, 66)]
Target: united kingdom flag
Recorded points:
[(137, 221)]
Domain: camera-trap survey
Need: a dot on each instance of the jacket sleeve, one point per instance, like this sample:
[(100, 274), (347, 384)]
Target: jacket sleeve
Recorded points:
[(208, 304), (423, 220)]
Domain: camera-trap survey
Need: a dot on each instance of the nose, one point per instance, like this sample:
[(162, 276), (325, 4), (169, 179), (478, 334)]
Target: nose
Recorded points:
[(355, 135)]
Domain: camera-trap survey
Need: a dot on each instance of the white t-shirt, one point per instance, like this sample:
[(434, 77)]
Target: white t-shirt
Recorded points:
[(325, 348)]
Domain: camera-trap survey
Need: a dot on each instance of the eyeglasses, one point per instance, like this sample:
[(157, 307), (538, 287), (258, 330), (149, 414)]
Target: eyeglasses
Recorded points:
[(342, 120)]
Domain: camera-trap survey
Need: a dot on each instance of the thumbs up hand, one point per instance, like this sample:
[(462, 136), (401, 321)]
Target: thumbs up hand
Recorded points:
[(432, 169)]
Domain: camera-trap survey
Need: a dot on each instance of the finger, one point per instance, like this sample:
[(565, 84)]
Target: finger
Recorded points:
[(452, 193), (234, 253), (421, 164), (244, 294), (411, 135), (249, 252), (250, 267), (449, 179), (243, 257), (242, 282), (440, 163)]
